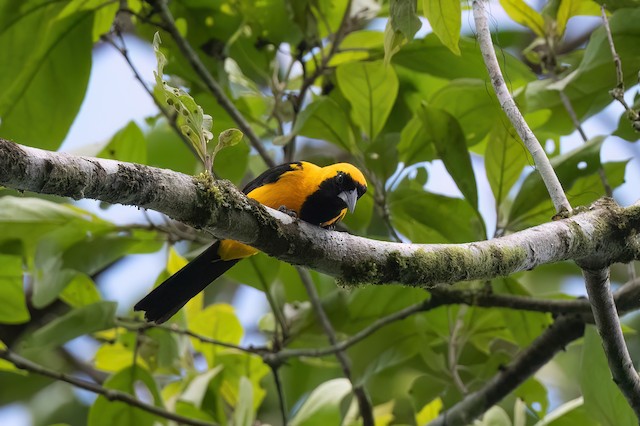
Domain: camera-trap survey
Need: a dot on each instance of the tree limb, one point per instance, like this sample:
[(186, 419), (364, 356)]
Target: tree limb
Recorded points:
[(510, 108), (605, 234), (610, 331)]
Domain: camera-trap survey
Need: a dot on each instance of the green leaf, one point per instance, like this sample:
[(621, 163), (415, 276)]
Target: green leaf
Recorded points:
[(81, 291), (128, 145), (570, 8), (13, 309), (28, 219), (446, 135), (523, 14), (196, 390), (403, 17), (190, 118), (324, 119), (426, 217), (504, 160), (77, 322), (323, 405), (445, 18), (568, 167), (371, 89), (226, 139), (46, 61), (243, 415), (113, 357), (107, 248), (415, 144), (237, 366), (430, 56), (130, 380), (403, 24), (602, 397), (218, 322), (524, 326), (464, 99)]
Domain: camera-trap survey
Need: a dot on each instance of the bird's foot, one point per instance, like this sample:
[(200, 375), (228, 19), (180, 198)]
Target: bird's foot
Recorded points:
[(288, 211)]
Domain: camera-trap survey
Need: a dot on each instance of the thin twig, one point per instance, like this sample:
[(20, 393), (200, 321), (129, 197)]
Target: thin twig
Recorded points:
[(608, 325), (509, 106), (618, 92), (134, 324), (364, 404), (454, 352), (110, 394), (281, 398), (216, 90)]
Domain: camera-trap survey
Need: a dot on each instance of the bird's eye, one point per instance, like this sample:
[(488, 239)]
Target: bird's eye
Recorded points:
[(340, 179)]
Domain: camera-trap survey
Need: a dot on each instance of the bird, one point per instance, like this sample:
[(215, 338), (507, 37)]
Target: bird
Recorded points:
[(318, 195)]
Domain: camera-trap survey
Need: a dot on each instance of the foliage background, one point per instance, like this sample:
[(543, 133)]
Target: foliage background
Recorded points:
[(426, 105)]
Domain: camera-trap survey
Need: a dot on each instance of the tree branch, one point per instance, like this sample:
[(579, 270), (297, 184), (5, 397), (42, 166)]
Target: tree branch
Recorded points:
[(605, 234), (608, 325), (216, 90), (507, 103), (110, 394)]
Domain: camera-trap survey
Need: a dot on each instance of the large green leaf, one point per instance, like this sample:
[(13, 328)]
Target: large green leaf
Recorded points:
[(475, 107), (445, 18), (415, 144), (602, 397), (77, 322), (504, 159), (431, 218), (218, 322), (430, 56), (402, 25), (588, 85), (446, 135), (130, 380), (13, 309), (525, 326), (29, 219), (45, 61), (324, 119), (371, 89)]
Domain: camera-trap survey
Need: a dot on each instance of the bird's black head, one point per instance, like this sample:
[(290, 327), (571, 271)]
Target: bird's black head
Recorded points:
[(339, 188)]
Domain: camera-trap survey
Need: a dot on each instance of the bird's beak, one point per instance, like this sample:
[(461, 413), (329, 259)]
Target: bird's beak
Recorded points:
[(349, 198)]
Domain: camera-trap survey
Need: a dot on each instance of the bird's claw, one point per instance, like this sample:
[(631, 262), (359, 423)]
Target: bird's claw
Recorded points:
[(288, 211)]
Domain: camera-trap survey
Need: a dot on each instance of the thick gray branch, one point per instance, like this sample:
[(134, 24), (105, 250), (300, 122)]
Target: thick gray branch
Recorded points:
[(602, 235)]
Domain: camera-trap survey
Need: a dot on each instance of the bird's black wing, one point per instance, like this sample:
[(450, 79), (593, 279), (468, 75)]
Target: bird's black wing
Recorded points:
[(270, 176)]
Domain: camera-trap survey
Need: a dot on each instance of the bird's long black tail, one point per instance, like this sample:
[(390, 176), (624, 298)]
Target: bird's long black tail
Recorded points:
[(167, 299)]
